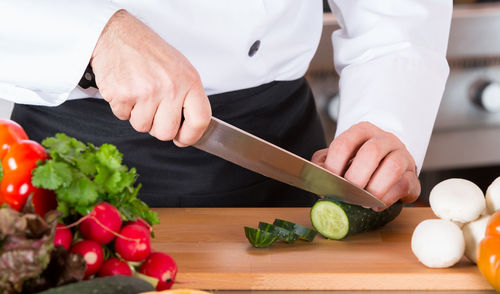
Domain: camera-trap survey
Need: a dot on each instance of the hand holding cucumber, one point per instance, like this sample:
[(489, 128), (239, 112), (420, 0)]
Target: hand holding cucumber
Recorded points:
[(374, 160)]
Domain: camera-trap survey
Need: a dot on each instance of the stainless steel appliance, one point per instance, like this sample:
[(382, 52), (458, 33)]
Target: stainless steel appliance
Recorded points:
[(466, 137)]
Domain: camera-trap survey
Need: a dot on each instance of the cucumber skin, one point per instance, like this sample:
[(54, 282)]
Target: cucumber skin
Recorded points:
[(365, 219), (106, 285), (259, 238), (282, 233), (304, 233)]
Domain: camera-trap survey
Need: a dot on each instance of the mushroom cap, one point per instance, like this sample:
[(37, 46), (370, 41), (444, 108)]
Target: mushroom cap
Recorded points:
[(457, 200), (493, 196), (473, 234), (438, 243)]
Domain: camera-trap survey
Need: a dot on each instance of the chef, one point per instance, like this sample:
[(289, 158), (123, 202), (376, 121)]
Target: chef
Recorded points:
[(162, 68)]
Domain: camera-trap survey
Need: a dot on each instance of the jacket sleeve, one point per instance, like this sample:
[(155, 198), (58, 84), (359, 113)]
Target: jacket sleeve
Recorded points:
[(391, 58), (45, 46)]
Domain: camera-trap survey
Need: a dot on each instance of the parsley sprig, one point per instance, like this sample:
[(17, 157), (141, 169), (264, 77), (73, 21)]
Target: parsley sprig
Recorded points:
[(83, 175)]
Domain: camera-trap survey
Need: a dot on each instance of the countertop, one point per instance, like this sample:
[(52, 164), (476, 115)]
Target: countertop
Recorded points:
[(212, 253)]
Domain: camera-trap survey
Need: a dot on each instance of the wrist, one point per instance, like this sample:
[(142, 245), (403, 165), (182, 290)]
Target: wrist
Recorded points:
[(112, 26)]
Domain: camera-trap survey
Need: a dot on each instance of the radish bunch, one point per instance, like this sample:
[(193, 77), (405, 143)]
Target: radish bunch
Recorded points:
[(112, 248)]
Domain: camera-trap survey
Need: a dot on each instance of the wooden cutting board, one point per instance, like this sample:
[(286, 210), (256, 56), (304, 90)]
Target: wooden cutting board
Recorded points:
[(211, 251)]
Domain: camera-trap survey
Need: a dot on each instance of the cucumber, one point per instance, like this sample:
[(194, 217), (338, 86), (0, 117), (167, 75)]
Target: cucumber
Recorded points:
[(303, 232), (107, 285), (282, 233), (336, 220), (259, 238)]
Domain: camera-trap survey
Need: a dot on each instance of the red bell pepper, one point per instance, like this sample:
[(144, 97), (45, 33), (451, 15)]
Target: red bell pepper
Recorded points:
[(19, 156), (10, 133)]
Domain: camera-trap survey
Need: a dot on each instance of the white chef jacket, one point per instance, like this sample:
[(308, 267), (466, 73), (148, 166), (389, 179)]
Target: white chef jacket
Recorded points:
[(390, 54)]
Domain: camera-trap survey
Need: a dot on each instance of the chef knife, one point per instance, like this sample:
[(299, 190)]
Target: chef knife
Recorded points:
[(246, 150)]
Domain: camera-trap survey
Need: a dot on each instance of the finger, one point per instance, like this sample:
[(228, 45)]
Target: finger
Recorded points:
[(389, 172), (319, 156), (121, 110), (142, 115), (345, 146), (368, 158), (197, 113), (407, 189), (167, 119)]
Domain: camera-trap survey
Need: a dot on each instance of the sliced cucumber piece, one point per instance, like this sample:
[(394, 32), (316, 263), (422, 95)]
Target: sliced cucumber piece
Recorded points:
[(259, 238), (330, 220), (304, 233), (336, 220), (282, 233)]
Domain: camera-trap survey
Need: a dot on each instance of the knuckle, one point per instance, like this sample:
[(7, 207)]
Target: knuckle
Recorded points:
[(187, 141), (355, 179), (393, 138), (163, 136), (139, 92), (140, 126), (121, 116), (169, 85), (120, 112), (378, 191), (145, 91), (373, 149), (200, 123), (396, 165), (164, 133), (405, 186), (417, 191), (319, 156), (192, 75), (122, 94), (105, 94), (341, 145), (364, 125)]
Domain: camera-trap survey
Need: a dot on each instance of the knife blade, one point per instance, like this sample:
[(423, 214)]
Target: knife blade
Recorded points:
[(251, 152)]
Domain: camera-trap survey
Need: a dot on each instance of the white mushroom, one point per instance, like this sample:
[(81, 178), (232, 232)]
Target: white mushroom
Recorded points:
[(457, 200), (473, 234), (459, 224), (438, 243), (493, 196)]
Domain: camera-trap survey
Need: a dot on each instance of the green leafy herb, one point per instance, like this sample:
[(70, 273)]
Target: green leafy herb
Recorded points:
[(1, 171), (83, 175)]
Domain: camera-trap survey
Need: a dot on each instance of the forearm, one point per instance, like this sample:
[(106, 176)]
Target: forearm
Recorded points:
[(391, 59)]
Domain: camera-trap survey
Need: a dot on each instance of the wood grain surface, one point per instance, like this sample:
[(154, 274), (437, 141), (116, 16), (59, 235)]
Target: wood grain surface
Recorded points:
[(212, 253)]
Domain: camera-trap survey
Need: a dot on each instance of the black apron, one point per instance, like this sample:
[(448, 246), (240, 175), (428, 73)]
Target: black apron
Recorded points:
[(283, 113)]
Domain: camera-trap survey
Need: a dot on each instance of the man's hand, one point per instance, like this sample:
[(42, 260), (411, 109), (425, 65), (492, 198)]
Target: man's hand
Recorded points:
[(375, 160), (149, 83)]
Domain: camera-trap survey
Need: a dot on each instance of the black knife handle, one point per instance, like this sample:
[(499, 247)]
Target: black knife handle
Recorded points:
[(88, 79)]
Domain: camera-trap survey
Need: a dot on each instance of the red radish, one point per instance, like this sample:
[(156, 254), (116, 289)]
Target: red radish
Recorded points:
[(63, 236), (113, 267), (142, 222), (133, 244), (161, 266), (107, 225), (92, 254)]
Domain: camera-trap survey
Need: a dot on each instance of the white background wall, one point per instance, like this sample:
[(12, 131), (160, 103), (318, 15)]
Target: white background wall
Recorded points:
[(5, 108)]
